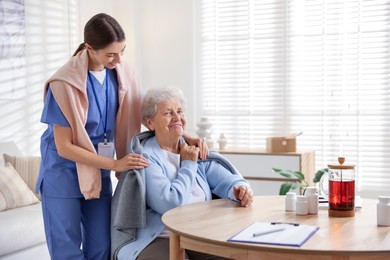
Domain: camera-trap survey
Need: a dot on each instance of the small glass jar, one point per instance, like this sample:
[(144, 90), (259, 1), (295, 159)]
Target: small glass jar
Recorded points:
[(341, 189)]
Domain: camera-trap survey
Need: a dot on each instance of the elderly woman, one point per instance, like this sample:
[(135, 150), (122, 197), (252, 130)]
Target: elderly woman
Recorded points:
[(175, 175)]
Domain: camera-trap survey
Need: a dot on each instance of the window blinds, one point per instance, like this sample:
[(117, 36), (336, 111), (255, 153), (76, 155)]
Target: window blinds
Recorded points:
[(52, 35), (274, 67), (37, 38)]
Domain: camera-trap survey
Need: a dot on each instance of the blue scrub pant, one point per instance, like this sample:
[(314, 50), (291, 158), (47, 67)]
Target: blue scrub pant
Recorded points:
[(77, 228)]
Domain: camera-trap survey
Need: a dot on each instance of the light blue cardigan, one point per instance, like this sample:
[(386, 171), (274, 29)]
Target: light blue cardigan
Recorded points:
[(215, 175)]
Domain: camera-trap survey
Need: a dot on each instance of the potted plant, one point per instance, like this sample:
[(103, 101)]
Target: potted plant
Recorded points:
[(289, 185)]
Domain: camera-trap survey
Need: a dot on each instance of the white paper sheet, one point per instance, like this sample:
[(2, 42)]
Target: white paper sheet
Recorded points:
[(291, 235)]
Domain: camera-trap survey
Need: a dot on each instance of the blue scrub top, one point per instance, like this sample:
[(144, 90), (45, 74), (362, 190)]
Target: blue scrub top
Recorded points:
[(59, 175)]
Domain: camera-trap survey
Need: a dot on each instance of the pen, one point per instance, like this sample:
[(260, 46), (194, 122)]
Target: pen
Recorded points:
[(288, 223), (257, 234)]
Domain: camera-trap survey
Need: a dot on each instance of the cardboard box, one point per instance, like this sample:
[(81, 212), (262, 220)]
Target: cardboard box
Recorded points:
[(281, 145)]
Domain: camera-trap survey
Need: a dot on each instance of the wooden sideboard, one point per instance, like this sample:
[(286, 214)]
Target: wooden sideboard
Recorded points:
[(256, 166)]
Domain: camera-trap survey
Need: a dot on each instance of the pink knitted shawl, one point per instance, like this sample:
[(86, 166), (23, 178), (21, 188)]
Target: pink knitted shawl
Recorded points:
[(68, 86)]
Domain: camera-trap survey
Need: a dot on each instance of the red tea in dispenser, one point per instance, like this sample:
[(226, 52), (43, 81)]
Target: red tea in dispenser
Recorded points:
[(342, 194), (341, 189)]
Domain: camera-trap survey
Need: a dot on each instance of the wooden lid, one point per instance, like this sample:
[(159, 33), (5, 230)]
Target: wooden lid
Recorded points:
[(341, 213), (340, 166)]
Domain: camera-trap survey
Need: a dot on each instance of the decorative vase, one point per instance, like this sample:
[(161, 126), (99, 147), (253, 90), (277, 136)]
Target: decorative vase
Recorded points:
[(204, 123), (205, 131), (204, 128), (209, 142), (222, 141)]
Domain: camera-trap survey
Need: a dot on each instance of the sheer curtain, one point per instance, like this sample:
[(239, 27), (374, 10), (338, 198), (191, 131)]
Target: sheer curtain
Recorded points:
[(276, 67)]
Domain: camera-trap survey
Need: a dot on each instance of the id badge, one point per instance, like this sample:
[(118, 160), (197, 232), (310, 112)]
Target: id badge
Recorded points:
[(106, 149)]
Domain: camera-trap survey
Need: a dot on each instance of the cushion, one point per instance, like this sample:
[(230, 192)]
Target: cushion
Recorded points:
[(9, 147), (26, 166), (21, 229), (14, 192)]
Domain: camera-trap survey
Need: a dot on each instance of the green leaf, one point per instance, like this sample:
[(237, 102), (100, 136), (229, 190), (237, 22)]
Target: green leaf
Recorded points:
[(285, 187), (289, 173), (285, 173), (297, 185), (290, 186), (298, 175), (319, 174)]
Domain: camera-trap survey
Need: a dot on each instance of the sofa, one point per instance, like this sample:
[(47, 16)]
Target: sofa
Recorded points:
[(22, 233)]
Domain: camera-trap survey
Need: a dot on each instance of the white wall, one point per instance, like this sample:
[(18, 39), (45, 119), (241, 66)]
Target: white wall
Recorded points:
[(160, 40), (166, 44)]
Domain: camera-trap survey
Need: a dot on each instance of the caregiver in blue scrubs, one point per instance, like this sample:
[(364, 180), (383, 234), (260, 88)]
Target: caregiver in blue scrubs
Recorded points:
[(91, 109)]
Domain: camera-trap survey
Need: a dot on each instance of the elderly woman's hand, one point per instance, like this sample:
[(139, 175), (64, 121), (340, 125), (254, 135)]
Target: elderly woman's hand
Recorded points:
[(198, 142), (189, 152), (244, 194)]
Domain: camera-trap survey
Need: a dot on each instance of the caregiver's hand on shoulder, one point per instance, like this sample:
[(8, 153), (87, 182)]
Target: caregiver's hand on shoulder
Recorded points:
[(203, 148), (131, 161), (201, 144), (189, 152)]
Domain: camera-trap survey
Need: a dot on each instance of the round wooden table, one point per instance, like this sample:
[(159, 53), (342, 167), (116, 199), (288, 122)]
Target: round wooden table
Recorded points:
[(206, 226)]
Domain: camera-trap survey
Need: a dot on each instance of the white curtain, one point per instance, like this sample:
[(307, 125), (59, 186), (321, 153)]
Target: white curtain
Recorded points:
[(276, 67)]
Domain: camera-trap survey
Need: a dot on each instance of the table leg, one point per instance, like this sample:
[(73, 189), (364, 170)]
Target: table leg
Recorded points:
[(175, 251)]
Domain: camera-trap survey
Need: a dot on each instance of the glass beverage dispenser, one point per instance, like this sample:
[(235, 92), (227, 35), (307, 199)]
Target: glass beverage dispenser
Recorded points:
[(341, 189)]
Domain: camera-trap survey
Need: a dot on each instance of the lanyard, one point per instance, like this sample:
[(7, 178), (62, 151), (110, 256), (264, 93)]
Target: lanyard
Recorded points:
[(98, 104)]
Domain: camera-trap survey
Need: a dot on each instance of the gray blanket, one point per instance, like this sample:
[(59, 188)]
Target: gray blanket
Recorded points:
[(128, 206)]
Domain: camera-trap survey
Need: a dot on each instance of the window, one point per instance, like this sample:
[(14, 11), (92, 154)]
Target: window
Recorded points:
[(38, 37), (276, 67)]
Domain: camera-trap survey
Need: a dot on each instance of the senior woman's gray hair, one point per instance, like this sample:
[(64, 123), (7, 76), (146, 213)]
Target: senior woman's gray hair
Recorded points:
[(154, 97)]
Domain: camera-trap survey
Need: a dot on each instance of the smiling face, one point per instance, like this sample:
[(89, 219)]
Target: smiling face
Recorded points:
[(108, 57), (168, 123)]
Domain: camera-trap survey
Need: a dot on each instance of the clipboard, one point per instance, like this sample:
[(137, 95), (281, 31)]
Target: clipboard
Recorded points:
[(282, 234)]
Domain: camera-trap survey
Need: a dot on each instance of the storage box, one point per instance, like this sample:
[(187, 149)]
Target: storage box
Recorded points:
[(281, 145)]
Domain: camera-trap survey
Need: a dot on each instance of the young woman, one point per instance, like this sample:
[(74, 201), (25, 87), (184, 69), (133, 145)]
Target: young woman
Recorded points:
[(92, 110)]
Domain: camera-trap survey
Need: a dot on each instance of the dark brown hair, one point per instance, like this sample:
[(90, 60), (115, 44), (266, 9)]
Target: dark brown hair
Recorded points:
[(100, 31)]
